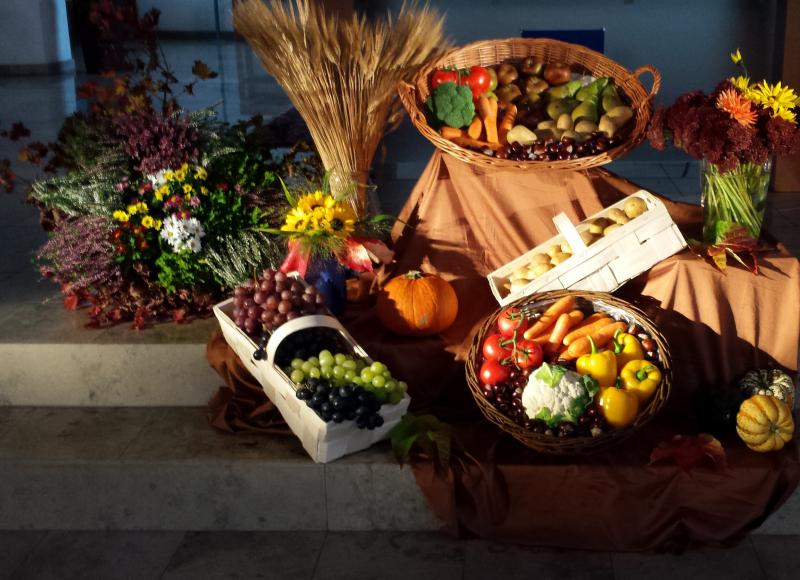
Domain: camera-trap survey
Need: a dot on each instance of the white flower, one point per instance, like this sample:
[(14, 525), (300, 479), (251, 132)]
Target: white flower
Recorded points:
[(194, 244), (194, 227), (158, 179)]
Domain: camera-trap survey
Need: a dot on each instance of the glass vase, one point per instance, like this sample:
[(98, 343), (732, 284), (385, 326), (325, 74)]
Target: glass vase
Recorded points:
[(738, 196), (330, 278)]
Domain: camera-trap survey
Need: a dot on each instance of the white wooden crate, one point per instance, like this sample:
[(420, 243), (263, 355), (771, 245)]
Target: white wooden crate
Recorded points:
[(324, 442), (605, 265)]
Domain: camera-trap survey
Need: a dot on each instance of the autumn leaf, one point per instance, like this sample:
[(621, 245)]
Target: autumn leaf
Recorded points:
[(201, 70), (71, 301), (689, 451), (424, 433)]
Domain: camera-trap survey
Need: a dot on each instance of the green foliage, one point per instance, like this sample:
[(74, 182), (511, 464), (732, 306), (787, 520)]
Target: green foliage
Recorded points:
[(452, 105), (181, 270), (78, 193), (235, 257), (425, 434)]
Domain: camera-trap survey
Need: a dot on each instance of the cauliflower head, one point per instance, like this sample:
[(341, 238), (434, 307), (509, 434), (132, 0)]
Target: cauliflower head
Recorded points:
[(555, 394)]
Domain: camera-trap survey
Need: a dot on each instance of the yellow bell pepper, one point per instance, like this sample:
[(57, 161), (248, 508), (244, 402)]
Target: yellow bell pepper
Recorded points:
[(601, 366), (641, 377), (626, 348), (618, 406)]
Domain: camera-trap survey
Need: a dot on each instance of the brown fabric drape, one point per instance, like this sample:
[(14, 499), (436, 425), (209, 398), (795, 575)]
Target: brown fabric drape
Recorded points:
[(465, 223)]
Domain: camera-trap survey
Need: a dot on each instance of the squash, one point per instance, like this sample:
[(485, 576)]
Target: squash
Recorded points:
[(417, 304), (772, 382), (764, 423)]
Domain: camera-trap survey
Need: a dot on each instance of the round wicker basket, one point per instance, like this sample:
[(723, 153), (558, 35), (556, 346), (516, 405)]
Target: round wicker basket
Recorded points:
[(492, 52), (571, 445)]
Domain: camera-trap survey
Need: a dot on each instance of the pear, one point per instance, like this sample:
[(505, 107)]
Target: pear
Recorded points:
[(585, 126), (610, 98), (557, 108), (564, 122), (620, 115), (607, 126), (586, 110), (571, 134), (549, 124), (592, 90)]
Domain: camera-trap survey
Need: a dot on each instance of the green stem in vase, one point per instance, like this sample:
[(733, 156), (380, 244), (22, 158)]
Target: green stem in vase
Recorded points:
[(736, 196)]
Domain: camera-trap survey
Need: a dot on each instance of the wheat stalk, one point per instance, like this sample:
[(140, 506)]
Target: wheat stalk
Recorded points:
[(341, 74)]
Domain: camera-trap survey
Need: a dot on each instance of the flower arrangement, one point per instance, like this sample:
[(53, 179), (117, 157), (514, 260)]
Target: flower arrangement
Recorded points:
[(736, 131)]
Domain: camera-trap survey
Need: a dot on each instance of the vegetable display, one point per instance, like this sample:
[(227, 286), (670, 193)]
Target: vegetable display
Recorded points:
[(568, 369), (772, 382), (765, 423), (417, 304), (529, 110)]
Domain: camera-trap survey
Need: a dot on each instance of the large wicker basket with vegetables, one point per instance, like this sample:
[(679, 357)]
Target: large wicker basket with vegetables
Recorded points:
[(554, 106), (569, 372)]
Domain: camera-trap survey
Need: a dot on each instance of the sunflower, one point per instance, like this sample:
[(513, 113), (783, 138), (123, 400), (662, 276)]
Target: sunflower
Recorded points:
[(308, 202), (296, 221), (342, 220), (780, 99), (737, 106)]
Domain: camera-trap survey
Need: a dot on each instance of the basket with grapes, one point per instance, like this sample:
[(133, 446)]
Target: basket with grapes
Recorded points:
[(333, 396)]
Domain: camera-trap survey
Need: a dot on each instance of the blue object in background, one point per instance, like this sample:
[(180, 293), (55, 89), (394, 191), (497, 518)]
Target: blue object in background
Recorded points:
[(594, 39), (330, 278)]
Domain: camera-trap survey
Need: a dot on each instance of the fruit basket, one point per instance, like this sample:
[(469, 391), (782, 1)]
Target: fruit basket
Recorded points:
[(273, 366), (493, 52), (618, 251), (502, 403)]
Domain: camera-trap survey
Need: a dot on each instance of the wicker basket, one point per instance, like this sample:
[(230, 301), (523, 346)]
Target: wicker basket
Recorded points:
[(492, 52), (572, 445)]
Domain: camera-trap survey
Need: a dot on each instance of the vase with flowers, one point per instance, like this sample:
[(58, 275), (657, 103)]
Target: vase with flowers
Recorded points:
[(736, 132), (326, 238)]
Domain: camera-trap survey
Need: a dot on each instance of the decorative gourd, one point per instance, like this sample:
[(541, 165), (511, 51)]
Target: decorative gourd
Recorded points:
[(764, 423), (772, 382), (417, 304)]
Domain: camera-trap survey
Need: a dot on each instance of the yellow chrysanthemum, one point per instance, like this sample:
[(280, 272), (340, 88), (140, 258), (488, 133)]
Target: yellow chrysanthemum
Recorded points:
[(142, 207), (180, 176), (203, 189), (743, 84), (169, 176), (185, 167), (308, 202), (161, 192), (780, 99), (132, 209), (120, 216), (187, 196), (187, 188), (157, 225), (148, 222), (200, 173), (736, 57)]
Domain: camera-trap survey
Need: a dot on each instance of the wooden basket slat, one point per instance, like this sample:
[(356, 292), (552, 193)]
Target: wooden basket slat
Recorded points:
[(570, 445), (492, 52)]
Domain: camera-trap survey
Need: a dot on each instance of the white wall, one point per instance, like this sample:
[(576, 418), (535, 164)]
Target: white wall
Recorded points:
[(189, 15), (33, 32)]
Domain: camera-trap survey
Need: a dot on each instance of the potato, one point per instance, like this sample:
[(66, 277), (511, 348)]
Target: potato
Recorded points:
[(611, 228), (518, 274), (618, 216), (634, 207), (519, 285), (597, 226), (549, 124), (566, 248), (540, 259), (540, 269), (556, 259), (589, 238)]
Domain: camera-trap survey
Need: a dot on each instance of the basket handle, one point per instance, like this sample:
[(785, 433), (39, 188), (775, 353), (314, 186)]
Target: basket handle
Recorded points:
[(567, 229), (648, 68), (408, 96)]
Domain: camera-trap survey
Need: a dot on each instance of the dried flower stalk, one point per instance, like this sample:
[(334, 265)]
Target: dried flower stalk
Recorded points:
[(341, 74)]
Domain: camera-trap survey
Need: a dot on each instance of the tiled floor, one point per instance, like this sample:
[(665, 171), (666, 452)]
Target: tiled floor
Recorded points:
[(320, 555)]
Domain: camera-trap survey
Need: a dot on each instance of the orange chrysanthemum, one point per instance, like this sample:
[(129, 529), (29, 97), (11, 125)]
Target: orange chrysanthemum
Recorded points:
[(737, 106)]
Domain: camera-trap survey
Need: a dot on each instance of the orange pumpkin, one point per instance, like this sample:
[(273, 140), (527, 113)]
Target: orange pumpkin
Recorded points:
[(417, 304)]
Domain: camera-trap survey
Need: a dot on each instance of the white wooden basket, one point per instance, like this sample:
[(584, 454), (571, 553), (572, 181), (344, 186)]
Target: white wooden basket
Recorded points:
[(605, 265), (324, 442)]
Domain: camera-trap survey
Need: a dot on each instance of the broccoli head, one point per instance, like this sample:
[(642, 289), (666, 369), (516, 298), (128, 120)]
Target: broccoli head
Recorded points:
[(452, 105)]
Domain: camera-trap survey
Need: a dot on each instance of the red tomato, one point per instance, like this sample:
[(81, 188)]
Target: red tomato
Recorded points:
[(528, 354), (493, 350), (443, 76), (510, 321), (477, 79), (492, 373)]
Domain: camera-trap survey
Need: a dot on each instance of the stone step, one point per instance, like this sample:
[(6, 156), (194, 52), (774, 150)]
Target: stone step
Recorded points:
[(166, 469)]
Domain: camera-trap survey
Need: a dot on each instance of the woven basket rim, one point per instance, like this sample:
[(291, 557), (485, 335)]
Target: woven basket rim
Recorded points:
[(570, 445), (413, 94)]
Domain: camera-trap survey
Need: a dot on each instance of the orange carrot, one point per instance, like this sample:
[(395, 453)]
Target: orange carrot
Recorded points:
[(590, 319), (488, 110), (475, 128), (586, 330), (559, 331), (550, 315), (601, 337), (507, 123), (451, 132), (575, 318)]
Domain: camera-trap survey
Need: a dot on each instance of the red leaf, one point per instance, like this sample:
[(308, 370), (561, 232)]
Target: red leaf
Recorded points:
[(690, 451), (296, 260), (356, 257), (179, 315), (71, 301)]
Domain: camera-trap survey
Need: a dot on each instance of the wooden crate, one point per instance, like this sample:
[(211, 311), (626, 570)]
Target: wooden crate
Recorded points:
[(605, 265), (324, 442)]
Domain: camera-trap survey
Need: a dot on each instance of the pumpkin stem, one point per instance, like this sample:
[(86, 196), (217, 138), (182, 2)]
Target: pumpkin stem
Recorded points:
[(414, 274)]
